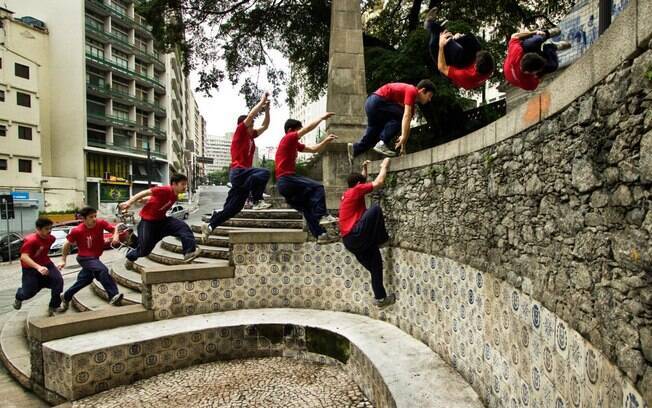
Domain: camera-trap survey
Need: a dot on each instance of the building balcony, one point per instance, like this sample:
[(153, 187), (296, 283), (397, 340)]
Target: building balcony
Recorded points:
[(99, 33), (105, 63), (124, 149), (99, 7), (110, 120)]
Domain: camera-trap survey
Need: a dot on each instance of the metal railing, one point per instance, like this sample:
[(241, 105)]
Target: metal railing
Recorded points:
[(111, 64)]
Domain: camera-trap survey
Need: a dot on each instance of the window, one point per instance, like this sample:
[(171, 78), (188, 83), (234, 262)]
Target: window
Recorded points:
[(3, 164), (22, 71), (2, 96), (142, 93), (24, 166), (121, 138), (119, 7), (3, 130), (96, 136), (120, 111), (121, 59), (94, 48), (142, 118), (95, 108), (120, 33), (142, 142), (120, 87), (95, 78), (24, 133), (95, 22), (141, 68), (141, 44), (23, 99)]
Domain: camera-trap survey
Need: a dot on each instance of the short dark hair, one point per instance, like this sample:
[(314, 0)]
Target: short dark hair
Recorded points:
[(241, 118), (42, 222), (355, 178), (532, 62), (86, 211), (427, 85), (292, 124), (178, 178), (484, 63)]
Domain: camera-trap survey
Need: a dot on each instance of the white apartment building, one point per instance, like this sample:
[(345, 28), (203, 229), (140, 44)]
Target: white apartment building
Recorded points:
[(305, 111), (219, 149), (121, 122)]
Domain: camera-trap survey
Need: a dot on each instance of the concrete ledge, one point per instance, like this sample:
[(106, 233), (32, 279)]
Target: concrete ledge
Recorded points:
[(644, 22), (393, 368), (189, 272), (267, 236), (72, 324)]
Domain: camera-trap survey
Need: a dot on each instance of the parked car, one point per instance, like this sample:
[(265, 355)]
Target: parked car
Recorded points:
[(60, 234), (179, 211), (11, 241), (108, 236)]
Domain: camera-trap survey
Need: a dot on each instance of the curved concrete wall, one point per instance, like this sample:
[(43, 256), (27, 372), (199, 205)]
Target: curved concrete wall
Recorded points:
[(512, 350)]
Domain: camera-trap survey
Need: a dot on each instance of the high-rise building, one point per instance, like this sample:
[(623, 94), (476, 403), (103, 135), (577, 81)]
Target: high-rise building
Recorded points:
[(219, 149), (119, 117), (305, 110)]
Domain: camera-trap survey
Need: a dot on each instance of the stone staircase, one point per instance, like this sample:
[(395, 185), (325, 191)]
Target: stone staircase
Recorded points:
[(14, 339)]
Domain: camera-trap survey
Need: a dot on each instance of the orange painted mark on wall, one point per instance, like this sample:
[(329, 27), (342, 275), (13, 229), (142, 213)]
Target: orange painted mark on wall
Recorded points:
[(532, 111)]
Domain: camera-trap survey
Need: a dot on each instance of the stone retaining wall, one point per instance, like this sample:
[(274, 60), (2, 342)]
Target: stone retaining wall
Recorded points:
[(561, 211), (510, 347)]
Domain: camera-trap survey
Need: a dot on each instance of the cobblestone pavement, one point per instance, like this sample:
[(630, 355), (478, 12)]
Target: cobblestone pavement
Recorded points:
[(256, 383)]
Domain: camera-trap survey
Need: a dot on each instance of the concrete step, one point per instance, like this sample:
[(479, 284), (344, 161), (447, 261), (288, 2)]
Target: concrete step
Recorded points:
[(264, 223), (125, 277), (221, 241), (276, 213), (166, 257), (87, 300), (225, 231), (173, 244), (131, 297)]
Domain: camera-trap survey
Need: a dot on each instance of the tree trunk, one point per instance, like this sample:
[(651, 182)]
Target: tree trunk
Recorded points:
[(413, 17)]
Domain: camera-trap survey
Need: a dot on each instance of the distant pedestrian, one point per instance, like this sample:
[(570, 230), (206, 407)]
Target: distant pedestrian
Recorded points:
[(531, 56), (301, 193), (88, 236), (246, 181), (459, 57), (363, 230), (154, 224), (38, 270)]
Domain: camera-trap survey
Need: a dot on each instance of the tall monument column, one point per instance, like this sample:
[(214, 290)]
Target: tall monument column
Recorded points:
[(346, 94)]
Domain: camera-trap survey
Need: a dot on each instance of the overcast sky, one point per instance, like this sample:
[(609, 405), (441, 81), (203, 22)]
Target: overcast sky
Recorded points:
[(221, 111)]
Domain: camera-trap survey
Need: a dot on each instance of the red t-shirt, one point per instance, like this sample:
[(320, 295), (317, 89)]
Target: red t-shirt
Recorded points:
[(286, 154), (398, 92), (512, 67), (90, 241), (242, 147), (353, 206), (37, 248), (161, 200), (467, 77)]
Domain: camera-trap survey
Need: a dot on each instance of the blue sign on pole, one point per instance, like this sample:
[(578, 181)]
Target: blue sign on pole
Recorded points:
[(20, 195)]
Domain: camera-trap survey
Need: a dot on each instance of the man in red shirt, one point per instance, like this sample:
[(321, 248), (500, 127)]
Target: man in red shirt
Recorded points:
[(389, 111), (529, 59), (89, 238), (154, 223), (38, 270), (245, 180), (363, 230), (458, 57), (301, 193)]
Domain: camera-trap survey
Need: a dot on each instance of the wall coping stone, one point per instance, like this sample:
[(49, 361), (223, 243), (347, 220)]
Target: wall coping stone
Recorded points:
[(187, 272), (71, 324), (627, 35), (414, 374)]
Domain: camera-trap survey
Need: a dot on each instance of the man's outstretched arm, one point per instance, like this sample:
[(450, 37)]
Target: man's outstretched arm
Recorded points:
[(249, 121)]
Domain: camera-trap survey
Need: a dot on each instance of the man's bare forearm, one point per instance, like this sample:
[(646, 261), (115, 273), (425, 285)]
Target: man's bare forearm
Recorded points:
[(29, 261)]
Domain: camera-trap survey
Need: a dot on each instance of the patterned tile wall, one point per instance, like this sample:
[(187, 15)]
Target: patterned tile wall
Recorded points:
[(80, 375), (511, 349)]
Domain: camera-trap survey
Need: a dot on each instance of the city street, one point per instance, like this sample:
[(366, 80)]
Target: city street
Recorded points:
[(11, 392)]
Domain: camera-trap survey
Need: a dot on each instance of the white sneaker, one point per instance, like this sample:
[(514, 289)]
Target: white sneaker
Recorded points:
[(261, 205), (554, 32), (324, 238), (206, 231), (64, 304), (229, 185), (265, 195), (116, 300), (191, 256), (563, 45), (384, 150), (328, 219), (349, 152)]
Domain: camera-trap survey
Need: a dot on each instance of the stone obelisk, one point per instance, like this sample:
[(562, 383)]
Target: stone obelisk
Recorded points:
[(346, 94)]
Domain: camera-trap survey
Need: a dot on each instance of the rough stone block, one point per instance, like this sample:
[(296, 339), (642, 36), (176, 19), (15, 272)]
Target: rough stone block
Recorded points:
[(519, 118), (345, 19)]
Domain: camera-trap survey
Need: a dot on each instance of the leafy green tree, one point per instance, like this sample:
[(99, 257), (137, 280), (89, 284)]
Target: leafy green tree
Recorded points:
[(220, 177)]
